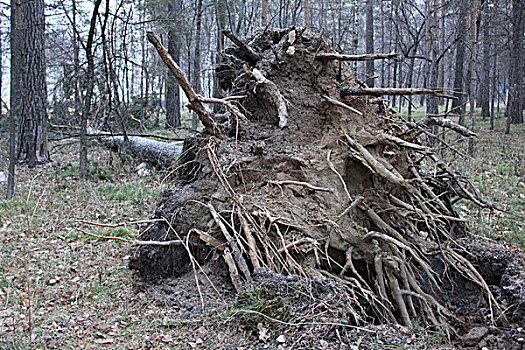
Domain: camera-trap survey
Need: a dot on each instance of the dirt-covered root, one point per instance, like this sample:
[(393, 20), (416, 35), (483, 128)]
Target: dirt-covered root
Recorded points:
[(302, 184)]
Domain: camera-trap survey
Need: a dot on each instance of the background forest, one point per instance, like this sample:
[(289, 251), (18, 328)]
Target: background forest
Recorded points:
[(74, 72)]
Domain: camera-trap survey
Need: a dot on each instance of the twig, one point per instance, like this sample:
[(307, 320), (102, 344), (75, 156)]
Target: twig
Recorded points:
[(300, 183), (299, 324), (132, 241), (295, 244), (138, 222), (341, 104)]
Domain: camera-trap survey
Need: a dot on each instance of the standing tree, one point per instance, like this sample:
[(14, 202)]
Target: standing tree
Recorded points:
[(264, 14), (172, 88), (369, 38), (15, 91), (30, 77), (197, 59), (461, 34), (89, 92), (515, 104)]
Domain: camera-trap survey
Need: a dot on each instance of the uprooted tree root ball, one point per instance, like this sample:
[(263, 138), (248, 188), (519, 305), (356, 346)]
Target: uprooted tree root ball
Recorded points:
[(307, 180)]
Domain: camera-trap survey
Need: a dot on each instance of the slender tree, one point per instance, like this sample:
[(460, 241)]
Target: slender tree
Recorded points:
[(369, 38), (515, 103), (264, 13), (15, 92), (461, 34), (83, 171), (197, 57), (174, 49)]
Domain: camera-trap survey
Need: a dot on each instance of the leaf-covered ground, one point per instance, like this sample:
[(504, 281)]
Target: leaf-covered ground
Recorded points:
[(66, 290)]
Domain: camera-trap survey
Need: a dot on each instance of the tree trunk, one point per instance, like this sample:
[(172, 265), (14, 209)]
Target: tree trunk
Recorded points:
[(197, 59), (89, 92), (370, 41), (470, 80), (515, 104), (264, 14), (457, 105), (32, 138), (16, 58), (172, 88), (485, 76), (306, 14)]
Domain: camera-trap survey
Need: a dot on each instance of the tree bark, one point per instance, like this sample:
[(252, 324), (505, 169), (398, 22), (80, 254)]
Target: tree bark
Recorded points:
[(32, 94), (197, 58), (306, 14), (264, 13), (485, 75), (515, 104), (83, 171), (457, 105), (370, 41), (172, 88), (15, 92)]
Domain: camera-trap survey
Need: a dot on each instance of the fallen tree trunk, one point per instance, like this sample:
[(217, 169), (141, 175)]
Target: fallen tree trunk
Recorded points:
[(157, 153)]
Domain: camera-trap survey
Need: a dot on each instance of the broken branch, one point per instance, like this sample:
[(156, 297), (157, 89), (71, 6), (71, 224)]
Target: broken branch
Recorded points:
[(393, 91), (365, 57), (194, 100)]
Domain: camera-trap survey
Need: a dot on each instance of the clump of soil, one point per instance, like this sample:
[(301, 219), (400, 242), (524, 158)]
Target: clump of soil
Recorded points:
[(310, 183)]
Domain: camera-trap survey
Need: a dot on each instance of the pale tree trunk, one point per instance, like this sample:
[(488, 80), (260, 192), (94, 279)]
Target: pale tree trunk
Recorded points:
[(32, 138), (515, 104), (369, 37), (172, 88), (16, 59), (76, 60), (220, 12), (495, 95), (83, 171), (197, 59), (470, 80)]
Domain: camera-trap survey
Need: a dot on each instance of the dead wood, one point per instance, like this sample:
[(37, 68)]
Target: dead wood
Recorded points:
[(246, 52), (194, 100), (364, 57), (393, 91), (331, 195), (157, 153)]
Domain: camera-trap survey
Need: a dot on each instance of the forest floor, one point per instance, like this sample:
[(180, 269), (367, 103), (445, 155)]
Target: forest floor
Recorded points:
[(64, 289)]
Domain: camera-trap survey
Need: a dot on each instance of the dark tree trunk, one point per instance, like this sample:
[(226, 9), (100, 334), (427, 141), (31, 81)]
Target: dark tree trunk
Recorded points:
[(370, 41), (32, 93), (485, 76), (457, 105), (83, 171), (515, 104), (172, 88)]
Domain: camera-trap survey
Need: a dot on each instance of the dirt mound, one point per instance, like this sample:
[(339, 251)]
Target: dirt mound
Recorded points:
[(308, 182)]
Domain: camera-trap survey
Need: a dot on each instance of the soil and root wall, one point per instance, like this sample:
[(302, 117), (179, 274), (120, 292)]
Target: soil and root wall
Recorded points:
[(304, 181)]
